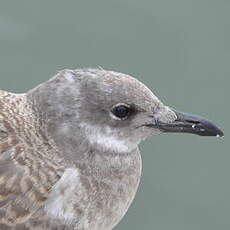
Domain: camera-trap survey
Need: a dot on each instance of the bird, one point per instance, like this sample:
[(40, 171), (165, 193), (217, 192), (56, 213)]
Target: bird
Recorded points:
[(69, 156)]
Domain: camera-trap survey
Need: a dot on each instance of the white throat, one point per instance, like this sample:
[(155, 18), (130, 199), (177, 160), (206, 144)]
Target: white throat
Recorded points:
[(106, 139)]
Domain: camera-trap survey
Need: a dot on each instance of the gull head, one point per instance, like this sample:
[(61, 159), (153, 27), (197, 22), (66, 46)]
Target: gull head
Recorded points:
[(110, 111)]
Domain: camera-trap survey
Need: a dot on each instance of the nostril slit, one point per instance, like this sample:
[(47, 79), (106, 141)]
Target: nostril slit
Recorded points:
[(192, 121)]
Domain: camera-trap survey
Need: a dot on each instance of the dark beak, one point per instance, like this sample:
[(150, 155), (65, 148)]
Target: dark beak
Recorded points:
[(190, 123)]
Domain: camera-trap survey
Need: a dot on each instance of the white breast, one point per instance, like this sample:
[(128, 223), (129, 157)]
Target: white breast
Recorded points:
[(59, 204)]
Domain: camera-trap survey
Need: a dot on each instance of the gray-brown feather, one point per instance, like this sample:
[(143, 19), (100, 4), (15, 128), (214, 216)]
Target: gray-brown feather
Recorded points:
[(66, 124), (27, 168), (30, 166)]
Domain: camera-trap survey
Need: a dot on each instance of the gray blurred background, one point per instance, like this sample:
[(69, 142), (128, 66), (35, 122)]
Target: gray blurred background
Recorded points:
[(180, 49)]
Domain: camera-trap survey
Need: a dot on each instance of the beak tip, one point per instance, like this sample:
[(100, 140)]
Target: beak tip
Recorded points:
[(220, 133), (210, 130)]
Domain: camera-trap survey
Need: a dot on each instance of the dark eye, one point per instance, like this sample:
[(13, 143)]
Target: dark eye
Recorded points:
[(121, 111)]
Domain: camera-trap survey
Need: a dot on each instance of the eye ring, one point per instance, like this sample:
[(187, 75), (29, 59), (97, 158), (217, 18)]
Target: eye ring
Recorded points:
[(120, 111)]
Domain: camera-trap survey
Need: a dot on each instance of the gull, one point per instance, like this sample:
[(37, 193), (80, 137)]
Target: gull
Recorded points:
[(69, 157)]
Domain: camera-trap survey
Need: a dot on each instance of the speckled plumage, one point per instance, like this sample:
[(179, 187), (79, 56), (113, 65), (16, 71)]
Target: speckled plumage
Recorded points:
[(29, 165), (65, 162), (32, 163)]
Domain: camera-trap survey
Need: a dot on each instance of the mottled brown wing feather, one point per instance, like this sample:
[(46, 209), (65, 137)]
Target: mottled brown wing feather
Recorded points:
[(27, 168)]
